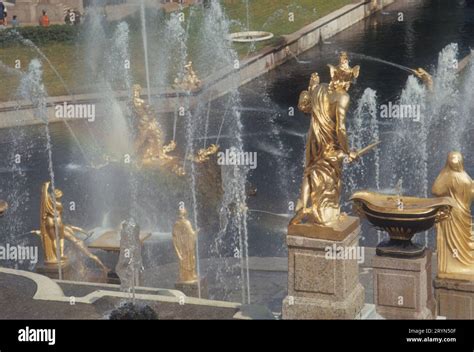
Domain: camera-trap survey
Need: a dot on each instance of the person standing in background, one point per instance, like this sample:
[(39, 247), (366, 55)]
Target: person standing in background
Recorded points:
[(44, 20), (15, 22)]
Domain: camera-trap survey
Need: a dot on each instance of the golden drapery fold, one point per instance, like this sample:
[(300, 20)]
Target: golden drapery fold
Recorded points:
[(324, 154), (454, 235)]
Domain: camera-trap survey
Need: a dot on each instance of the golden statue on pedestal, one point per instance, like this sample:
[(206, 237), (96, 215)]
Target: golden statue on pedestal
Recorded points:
[(49, 224), (327, 145), (184, 241), (455, 239), (190, 80)]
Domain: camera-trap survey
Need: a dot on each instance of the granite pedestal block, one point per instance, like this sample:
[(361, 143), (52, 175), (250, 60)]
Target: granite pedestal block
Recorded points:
[(455, 298), (322, 287), (402, 287)]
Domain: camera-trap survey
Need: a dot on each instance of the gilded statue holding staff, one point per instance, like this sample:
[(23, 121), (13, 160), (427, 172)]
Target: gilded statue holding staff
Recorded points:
[(327, 144)]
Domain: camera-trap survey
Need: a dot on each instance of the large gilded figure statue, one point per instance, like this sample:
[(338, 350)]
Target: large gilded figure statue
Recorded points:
[(327, 144), (149, 137), (48, 228), (149, 145), (455, 240), (184, 241)]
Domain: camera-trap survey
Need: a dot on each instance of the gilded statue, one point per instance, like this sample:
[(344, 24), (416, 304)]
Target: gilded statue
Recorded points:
[(326, 145), (204, 154), (149, 140), (149, 137), (184, 241), (455, 241), (189, 81), (51, 222)]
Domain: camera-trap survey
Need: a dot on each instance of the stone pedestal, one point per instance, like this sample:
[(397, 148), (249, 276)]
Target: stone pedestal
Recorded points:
[(455, 298), (322, 286), (51, 270), (402, 287), (191, 289)]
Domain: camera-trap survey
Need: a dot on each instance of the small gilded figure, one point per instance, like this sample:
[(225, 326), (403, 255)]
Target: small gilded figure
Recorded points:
[(184, 241)]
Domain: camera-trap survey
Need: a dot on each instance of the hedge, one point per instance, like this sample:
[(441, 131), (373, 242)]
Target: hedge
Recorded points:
[(39, 35)]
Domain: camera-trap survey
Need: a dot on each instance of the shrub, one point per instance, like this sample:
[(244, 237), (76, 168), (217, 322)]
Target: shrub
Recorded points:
[(40, 35)]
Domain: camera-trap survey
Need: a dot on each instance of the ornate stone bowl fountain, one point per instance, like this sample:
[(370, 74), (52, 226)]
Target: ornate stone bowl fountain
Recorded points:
[(401, 217)]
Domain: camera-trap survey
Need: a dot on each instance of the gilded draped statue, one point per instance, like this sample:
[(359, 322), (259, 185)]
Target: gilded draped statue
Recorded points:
[(184, 241), (455, 241), (326, 145), (48, 226)]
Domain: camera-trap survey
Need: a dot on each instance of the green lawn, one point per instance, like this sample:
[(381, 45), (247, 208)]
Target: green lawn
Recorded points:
[(69, 59), (274, 15)]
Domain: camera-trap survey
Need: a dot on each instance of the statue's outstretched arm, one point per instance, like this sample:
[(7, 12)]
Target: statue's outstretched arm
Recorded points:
[(79, 229)]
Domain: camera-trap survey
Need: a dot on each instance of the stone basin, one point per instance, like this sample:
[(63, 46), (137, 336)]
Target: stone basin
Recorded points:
[(401, 217)]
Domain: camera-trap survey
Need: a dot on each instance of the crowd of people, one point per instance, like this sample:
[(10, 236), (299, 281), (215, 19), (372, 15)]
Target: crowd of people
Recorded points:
[(72, 17)]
